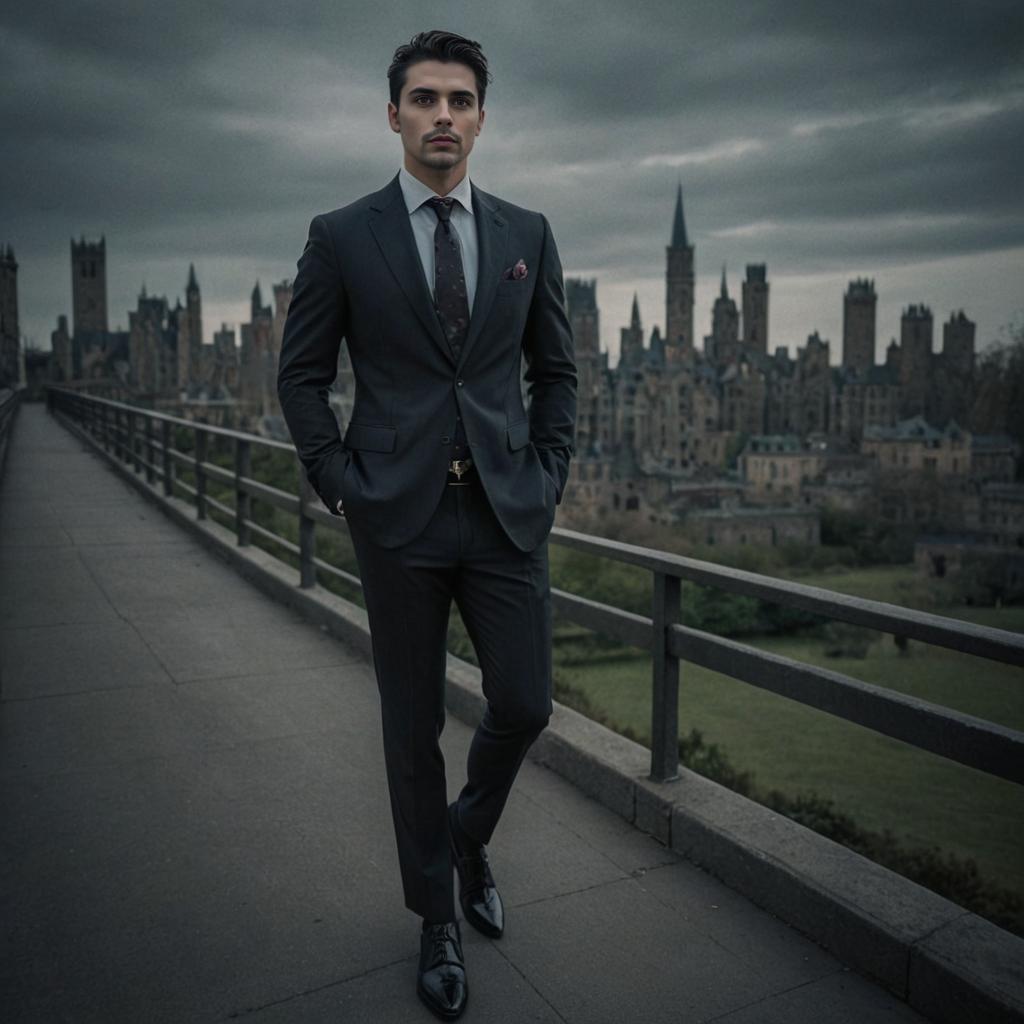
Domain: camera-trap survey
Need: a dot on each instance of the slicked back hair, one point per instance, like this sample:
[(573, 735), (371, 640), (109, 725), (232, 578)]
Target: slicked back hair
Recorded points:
[(443, 46)]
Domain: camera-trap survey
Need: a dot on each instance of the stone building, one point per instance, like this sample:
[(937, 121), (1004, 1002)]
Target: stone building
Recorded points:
[(679, 287), (89, 291), (913, 445), (755, 309), (722, 346), (994, 458), (766, 527), (774, 468), (859, 312), (62, 365)]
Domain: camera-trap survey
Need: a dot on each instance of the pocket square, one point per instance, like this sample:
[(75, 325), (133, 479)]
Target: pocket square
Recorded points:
[(516, 272)]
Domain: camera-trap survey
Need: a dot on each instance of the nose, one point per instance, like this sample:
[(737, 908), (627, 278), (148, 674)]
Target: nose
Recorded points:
[(443, 116)]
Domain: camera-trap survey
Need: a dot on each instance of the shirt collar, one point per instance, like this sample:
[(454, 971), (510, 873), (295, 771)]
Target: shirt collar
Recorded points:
[(416, 193)]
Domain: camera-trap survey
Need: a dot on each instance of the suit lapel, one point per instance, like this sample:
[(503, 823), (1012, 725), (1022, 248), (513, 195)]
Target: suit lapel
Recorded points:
[(389, 222), (492, 239), (392, 230)]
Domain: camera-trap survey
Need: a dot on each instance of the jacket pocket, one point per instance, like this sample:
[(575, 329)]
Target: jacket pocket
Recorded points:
[(518, 434), (368, 437)]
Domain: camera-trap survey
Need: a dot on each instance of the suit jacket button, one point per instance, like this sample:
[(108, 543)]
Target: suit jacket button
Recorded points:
[(459, 382), (446, 439)]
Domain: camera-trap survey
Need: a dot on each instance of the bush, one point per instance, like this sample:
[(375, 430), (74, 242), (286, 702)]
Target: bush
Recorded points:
[(845, 640)]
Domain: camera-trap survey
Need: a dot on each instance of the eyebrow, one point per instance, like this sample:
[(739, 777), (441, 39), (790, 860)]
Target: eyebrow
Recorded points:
[(422, 90)]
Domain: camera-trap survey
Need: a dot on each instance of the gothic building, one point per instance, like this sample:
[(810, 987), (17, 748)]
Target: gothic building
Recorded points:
[(669, 418)]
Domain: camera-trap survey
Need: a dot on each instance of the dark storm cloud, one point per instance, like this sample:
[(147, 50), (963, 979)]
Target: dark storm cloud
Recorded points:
[(815, 136)]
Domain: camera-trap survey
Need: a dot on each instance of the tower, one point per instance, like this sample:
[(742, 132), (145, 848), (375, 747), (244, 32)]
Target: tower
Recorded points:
[(631, 344), (679, 285), (755, 309), (958, 345), (257, 309), (60, 343), (859, 305), (89, 290), (915, 360), (584, 316), (194, 322), (725, 326), (10, 347)]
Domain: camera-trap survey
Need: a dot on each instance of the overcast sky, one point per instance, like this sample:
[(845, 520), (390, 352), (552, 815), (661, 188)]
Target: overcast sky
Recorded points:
[(829, 140)]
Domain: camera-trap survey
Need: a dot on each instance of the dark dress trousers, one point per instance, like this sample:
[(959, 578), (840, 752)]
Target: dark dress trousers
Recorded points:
[(420, 541)]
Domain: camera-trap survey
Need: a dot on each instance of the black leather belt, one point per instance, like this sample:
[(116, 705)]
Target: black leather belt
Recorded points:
[(460, 472)]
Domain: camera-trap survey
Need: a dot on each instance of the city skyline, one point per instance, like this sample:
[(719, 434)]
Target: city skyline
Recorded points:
[(895, 166)]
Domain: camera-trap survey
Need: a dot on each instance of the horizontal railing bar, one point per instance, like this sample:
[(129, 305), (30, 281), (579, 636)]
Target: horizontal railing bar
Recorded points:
[(269, 535), (180, 421), (983, 641), (972, 741), (635, 630), (340, 574), (270, 495), (215, 472), (219, 506)]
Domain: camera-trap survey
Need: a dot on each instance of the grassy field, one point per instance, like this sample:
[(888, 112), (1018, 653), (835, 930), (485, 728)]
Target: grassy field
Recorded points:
[(883, 783)]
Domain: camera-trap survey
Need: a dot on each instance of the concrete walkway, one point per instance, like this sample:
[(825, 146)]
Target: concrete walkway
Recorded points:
[(194, 821)]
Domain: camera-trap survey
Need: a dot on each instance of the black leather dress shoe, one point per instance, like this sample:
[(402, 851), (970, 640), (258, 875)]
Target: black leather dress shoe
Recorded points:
[(478, 896), (441, 983)]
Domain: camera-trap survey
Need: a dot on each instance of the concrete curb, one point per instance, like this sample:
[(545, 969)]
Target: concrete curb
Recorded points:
[(948, 964)]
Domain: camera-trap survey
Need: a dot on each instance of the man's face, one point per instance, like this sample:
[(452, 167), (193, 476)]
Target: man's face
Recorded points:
[(438, 102)]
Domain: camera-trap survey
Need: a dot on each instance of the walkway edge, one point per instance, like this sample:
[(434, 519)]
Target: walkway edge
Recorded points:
[(947, 963)]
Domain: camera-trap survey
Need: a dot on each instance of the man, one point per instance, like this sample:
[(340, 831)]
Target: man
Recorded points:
[(447, 484)]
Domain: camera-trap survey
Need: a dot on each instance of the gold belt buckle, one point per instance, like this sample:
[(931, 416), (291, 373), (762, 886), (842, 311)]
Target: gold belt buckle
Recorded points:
[(459, 466)]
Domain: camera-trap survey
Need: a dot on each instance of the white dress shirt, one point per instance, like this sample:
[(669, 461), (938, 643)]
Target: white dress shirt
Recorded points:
[(424, 223)]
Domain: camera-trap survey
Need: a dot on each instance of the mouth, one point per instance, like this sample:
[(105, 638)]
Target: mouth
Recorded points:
[(442, 140)]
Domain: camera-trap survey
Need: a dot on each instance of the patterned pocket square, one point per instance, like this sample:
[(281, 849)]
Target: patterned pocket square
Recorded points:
[(515, 273)]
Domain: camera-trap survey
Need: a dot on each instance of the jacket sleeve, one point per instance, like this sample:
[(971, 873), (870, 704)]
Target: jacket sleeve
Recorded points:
[(551, 367), (313, 329)]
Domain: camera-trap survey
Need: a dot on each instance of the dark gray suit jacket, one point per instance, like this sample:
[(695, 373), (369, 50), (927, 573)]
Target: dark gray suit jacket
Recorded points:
[(360, 278)]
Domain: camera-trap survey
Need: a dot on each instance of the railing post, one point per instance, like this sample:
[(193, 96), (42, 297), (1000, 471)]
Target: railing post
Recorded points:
[(165, 444), (131, 440), (200, 458), (122, 435), (243, 499), (150, 472), (136, 444), (665, 682), (307, 533)]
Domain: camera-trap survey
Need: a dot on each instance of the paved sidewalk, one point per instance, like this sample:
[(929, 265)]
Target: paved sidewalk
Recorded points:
[(194, 820)]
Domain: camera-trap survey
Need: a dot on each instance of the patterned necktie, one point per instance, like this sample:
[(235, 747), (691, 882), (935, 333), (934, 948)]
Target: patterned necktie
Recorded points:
[(450, 299)]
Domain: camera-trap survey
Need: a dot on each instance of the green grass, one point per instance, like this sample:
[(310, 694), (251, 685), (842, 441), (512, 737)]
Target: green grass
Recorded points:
[(883, 783)]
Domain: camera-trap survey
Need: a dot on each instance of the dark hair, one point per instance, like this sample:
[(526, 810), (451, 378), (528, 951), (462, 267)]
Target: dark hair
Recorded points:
[(438, 45)]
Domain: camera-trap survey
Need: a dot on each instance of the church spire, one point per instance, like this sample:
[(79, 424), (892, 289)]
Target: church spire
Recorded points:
[(634, 319), (193, 284), (679, 240), (724, 291)]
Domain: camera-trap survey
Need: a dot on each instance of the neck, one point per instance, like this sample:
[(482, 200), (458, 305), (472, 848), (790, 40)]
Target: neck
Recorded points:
[(442, 180)]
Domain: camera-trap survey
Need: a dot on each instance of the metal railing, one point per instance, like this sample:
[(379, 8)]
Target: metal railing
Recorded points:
[(141, 438), (10, 399)]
